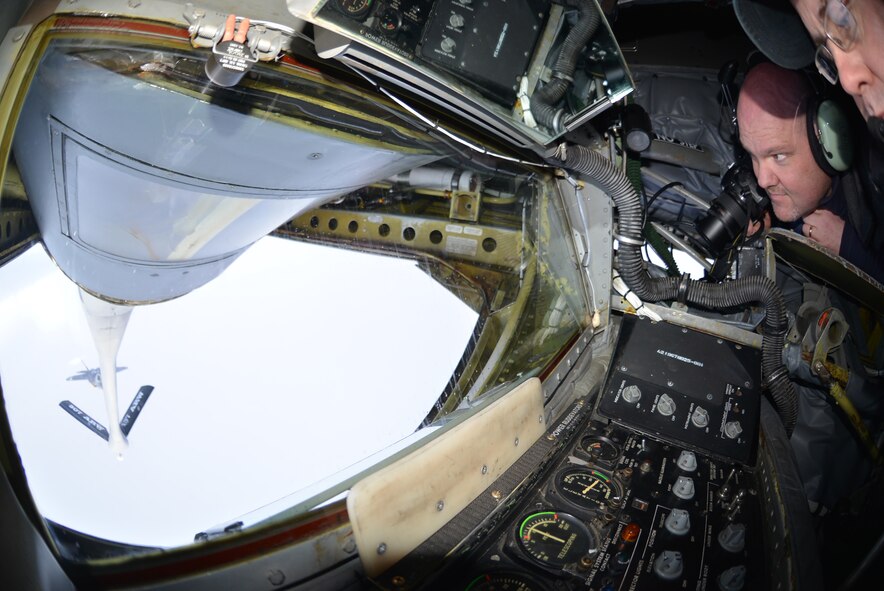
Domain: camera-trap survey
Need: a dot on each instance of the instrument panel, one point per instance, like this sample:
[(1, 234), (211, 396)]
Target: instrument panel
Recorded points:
[(624, 511), (485, 59), (486, 44)]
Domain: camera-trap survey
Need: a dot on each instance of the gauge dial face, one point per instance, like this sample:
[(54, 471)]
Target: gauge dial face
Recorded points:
[(590, 489), (554, 538), (502, 582), (600, 447), (354, 8), (389, 21)]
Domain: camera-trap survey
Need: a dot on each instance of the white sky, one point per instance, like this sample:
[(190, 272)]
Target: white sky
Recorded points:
[(296, 362), (685, 263)]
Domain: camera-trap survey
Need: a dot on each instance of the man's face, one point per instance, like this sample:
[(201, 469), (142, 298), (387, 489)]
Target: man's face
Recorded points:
[(861, 68), (782, 160)]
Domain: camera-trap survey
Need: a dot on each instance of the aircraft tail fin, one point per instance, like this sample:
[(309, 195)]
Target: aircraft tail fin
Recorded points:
[(135, 409), (84, 418)]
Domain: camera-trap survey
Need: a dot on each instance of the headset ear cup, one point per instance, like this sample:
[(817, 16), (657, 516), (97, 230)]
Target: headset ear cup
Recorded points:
[(828, 131)]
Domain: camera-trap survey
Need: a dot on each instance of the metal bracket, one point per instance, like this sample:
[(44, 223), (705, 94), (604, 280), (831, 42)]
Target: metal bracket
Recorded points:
[(264, 40), (465, 206), (828, 332)]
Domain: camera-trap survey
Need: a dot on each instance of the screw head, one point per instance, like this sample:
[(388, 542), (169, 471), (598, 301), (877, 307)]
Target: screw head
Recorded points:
[(276, 577), (382, 548)]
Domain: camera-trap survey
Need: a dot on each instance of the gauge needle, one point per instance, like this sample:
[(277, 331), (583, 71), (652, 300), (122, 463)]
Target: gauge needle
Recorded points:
[(590, 487), (545, 535)]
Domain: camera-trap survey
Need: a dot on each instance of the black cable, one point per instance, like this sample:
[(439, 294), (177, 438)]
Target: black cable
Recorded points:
[(660, 191), (754, 289)]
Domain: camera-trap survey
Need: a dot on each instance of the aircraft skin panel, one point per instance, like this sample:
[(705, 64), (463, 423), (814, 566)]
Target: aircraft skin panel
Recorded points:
[(395, 509)]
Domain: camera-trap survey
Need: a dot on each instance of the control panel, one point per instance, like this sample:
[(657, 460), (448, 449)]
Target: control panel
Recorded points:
[(486, 61), (686, 387), (485, 43), (396, 25), (624, 511)]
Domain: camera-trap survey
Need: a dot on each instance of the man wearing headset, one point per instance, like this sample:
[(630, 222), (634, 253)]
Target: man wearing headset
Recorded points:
[(776, 114), (844, 39)]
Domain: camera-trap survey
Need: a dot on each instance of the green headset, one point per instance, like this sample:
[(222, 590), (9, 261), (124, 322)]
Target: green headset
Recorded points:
[(828, 130)]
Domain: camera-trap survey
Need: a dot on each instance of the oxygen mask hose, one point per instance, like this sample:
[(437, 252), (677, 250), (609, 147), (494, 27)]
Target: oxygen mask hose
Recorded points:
[(740, 292), (543, 101)]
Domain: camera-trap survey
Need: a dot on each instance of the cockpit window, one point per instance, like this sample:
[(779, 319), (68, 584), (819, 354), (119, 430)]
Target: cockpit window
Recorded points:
[(399, 284), (296, 362)]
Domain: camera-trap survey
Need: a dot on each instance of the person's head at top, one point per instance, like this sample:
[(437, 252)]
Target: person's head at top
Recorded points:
[(844, 38), (771, 113)]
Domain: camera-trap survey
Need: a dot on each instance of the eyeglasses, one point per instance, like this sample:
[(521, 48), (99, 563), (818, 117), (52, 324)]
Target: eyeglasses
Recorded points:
[(840, 25), (825, 64), (841, 29)]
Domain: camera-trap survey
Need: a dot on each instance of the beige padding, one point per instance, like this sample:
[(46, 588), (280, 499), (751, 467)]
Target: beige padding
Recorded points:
[(395, 509)]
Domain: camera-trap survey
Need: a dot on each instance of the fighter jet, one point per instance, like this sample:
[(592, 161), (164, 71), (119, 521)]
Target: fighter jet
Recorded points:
[(93, 376)]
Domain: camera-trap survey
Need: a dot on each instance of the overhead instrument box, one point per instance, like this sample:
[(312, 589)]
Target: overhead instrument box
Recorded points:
[(484, 60)]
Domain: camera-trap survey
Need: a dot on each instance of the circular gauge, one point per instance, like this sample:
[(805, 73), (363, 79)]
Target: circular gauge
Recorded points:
[(503, 582), (554, 538), (600, 447), (588, 488), (389, 21), (354, 8)]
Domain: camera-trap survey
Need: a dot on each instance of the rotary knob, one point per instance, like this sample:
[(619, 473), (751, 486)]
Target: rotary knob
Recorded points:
[(678, 522), (684, 488), (665, 405), (448, 45), (687, 461), (733, 537), (700, 417), (669, 565), (632, 394), (733, 429), (733, 579), (455, 20)]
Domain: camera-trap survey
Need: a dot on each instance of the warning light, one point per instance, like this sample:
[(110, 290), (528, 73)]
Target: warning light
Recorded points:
[(630, 533)]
